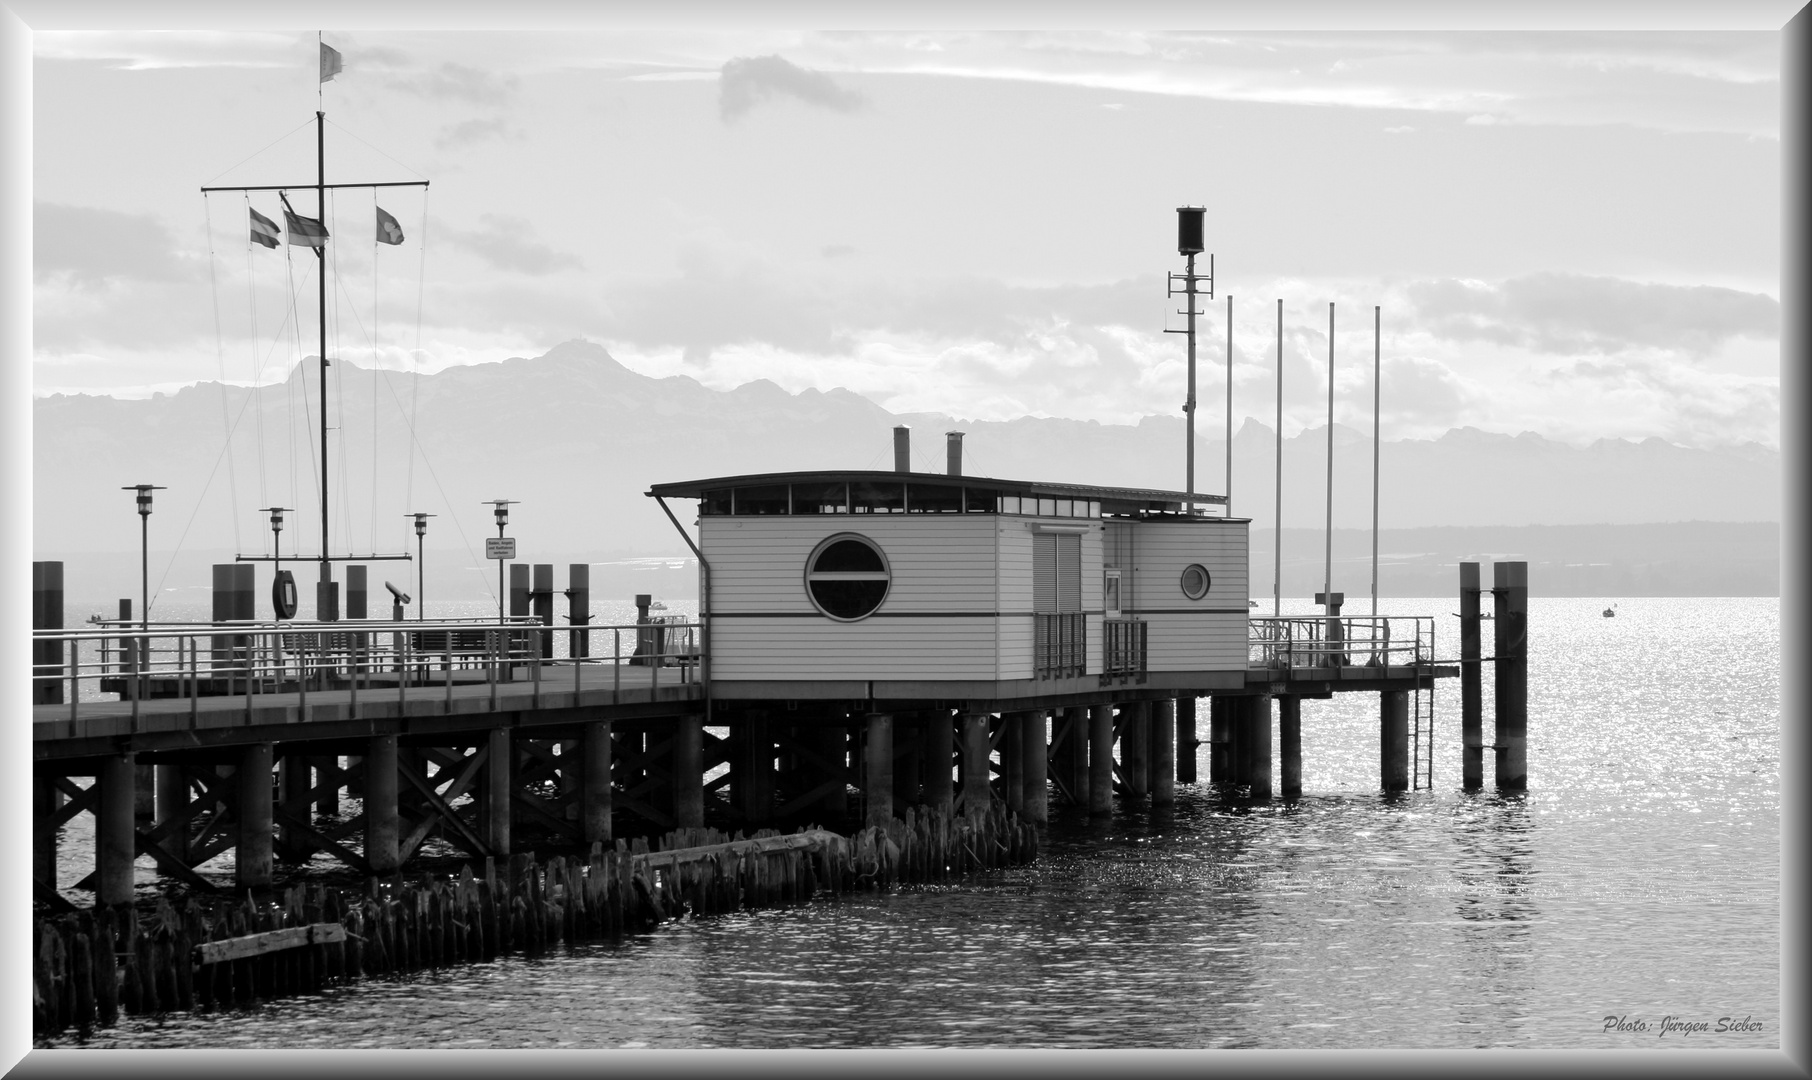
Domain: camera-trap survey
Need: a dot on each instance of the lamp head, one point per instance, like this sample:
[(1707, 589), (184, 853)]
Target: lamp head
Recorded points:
[(144, 496)]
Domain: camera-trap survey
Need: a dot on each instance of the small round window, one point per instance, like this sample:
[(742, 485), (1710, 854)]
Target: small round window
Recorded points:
[(1195, 581), (847, 577)]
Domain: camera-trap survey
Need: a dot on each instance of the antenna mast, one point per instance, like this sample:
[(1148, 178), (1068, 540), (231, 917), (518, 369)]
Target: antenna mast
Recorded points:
[(1189, 245)]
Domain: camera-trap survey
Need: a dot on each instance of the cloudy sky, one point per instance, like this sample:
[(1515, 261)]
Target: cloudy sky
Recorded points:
[(1570, 233)]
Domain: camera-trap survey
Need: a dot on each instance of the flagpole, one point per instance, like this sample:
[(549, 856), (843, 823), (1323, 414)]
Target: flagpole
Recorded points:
[(321, 326)]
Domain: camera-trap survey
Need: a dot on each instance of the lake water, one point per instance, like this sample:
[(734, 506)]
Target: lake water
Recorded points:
[(1637, 879)]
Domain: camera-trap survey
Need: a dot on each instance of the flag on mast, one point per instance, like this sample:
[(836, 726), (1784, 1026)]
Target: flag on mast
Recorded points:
[(330, 61), (388, 230), (305, 231), (264, 230)]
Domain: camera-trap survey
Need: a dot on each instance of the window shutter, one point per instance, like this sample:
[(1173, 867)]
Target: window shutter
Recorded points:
[(1044, 572), (1069, 573)]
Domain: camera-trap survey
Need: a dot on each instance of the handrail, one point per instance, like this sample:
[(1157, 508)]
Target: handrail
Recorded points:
[(247, 658), (1319, 641)]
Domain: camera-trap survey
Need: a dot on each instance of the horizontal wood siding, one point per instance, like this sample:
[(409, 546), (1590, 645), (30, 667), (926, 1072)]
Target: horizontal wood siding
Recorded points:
[(927, 648), (1155, 553), (938, 562)]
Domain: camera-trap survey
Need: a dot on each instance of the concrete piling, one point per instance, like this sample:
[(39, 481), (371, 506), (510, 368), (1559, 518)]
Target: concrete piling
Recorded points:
[(114, 829), (500, 770), (1393, 740), (977, 791), (1012, 781), (1135, 732), (252, 852), (1289, 736), (595, 800), (1101, 759), (688, 771), (383, 828), (1220, 740), (1185, 739), (940, 750), (1510, 594), (1256, 744), (1034, 754), (1472, 699), (1163, 752), (877, 771)]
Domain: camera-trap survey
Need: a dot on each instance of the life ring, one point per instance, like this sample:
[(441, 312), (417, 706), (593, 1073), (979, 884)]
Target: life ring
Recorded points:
[(283, 595)]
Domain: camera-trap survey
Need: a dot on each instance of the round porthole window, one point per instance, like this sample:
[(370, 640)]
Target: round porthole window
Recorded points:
[(1195, 581), (847, 577)]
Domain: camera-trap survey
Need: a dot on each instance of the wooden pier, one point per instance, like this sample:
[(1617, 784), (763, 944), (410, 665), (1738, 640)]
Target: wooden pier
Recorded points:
[(504, 749)]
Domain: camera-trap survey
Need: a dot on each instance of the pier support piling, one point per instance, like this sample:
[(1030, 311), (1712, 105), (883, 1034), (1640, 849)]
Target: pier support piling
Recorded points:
[(117, 776), (977, 791), (1393, 740), (594, 780), (877, 770), (383, 829), (1510, 593), (1012, 779), (1186, 741), (1034, 753), (500, 771), (940, 750), (1101, 759), (43, 837), (1135, 763), (1289, 732), (252, 854), (1472, 698), (293, 775), (1256, 743), (689, 772), (1163, 752), (1220, 740), (172, 799)]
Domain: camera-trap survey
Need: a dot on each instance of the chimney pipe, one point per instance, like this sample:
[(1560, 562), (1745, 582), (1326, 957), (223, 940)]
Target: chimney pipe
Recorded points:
[(953, 443), (902, 449)]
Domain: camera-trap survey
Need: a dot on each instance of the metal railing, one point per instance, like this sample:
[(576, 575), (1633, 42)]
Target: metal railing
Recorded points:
[(1059, 645), (1294, 642), (1123, 648), (126, 662)]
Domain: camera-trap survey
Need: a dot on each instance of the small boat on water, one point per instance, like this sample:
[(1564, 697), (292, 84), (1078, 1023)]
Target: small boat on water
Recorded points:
[(1611, 612)]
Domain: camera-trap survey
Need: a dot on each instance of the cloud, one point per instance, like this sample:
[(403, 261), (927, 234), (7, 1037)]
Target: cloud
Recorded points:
[(461, 83), (467, 132), (749, 80), (506, 243), (1572, 313), (92, 246)]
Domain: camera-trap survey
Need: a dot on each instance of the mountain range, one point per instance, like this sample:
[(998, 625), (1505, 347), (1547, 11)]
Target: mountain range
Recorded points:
[(577, 438)]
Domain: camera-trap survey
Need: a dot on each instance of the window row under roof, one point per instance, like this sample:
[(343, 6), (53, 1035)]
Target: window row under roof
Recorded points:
[(887, 497)]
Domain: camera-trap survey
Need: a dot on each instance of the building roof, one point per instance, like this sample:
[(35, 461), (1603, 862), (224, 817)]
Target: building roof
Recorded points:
[(1112, 499)]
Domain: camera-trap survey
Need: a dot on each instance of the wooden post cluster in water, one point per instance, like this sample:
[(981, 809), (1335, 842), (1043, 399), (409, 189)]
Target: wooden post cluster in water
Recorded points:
[(89, 966)]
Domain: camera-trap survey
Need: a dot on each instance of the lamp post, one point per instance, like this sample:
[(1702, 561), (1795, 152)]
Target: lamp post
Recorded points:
[(144, 568), (276, 513), (501, 507), (421, 564)]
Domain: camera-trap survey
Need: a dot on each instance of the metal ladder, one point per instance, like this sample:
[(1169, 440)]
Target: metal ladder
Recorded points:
[(1422, 718)]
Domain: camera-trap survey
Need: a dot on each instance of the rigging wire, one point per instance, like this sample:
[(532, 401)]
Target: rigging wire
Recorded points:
[(220, 362), (373, 149), (339, 379), (255, 153), (308, 419), (376, 359)]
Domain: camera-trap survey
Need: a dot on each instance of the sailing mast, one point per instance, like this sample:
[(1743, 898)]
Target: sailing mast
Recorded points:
[(327, 606)]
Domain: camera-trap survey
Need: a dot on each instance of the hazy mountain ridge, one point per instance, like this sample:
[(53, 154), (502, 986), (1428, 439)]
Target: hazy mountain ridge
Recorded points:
[(578, 438)]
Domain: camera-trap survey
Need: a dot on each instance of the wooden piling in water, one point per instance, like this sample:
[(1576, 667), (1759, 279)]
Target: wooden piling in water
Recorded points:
[(1472, 699)]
